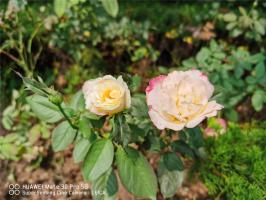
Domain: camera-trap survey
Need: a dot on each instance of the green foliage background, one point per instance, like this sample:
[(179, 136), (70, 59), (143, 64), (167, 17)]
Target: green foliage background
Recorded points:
[(235, 167), (69, 42)]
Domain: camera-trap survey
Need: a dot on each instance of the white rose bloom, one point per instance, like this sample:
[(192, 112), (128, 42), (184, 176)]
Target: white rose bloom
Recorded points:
[(180, 99), (106, 95)]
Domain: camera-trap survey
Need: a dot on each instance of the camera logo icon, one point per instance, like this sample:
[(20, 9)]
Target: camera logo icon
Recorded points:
[(14, 189)]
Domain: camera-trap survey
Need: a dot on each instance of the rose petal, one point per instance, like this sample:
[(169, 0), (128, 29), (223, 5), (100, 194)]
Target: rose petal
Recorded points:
[(153, 82), (161, 123)]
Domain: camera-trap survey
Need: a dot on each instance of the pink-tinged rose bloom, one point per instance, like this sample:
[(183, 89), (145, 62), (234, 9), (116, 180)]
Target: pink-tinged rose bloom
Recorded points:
[(106, 95), (217, 127), (180, 99), (222, 123), (210, 132)]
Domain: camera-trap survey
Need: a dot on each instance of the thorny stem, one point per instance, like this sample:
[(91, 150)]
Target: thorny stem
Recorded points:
[(66, 117), (76, 136)]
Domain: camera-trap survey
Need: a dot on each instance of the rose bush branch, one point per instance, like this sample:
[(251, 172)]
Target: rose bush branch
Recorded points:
[(57, 99), (53, 96), (112, 129)]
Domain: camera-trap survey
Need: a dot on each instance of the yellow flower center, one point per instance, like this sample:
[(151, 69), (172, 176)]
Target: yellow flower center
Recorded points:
[(188, 105), (109, 94)]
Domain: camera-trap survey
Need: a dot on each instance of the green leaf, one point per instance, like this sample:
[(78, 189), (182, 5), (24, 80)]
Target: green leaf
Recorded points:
[(111, 7), (111, 185), (120, 129), (136, 173), (260, 69), (60, 7), (256, 58), (9, 138), (16, 5), (74, 2), (238, 72), (251, 80), (189, 63), (124, 130), (34, 133), (257, 100), (231, 114), (105, 187), (139, 107), (9, 115), (259, 27), (91, 115), (10, 151), (231, 25), (81, 149), (242, 11), (135, 83), (172, 161), (219, 55), (98, 123), (169, 181), (262, 81), (69, 112), (62, 136), (98, 160), (183, 148), (203, 54), (229, 17), (154, 143), (35, 86), (213, 45), (78, 101), (139, 112), (236, 32), (195, 137), (85, 127), (44, 109), (243, 64)]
